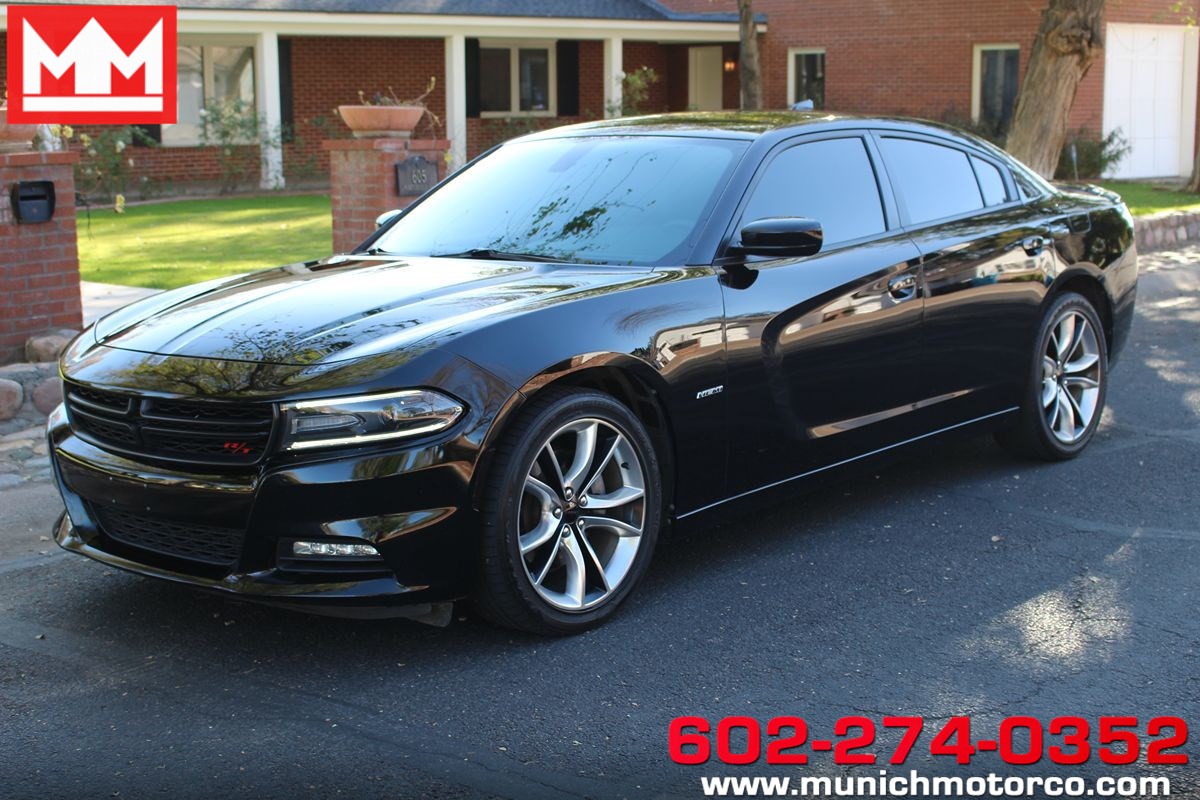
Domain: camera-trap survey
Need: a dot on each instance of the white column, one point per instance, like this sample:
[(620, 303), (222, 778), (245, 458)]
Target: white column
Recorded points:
[(270, 114), (456, 99), (613, 75)]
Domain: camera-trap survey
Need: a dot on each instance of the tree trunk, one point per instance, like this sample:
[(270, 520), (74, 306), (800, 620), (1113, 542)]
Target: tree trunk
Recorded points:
[(1067, 42), (751, 76), (1193, 184)]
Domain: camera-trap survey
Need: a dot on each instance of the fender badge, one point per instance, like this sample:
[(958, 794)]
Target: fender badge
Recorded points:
[(703, 393)]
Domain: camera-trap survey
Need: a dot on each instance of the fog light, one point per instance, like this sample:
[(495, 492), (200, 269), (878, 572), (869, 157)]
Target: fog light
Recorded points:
[(334, 550)]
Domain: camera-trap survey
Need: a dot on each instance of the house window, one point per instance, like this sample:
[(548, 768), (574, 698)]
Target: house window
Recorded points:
[(994, 93), (209, 75), (806, 76), (516, 79)]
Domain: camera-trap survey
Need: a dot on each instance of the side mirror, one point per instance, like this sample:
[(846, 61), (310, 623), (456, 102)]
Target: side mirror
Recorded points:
[(782, 237), (386, 217)]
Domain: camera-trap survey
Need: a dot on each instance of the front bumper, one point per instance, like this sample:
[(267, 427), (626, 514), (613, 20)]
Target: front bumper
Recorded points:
[(412, 505)]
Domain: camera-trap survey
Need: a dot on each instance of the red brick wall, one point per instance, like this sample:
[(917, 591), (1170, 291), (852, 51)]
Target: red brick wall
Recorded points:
[(363, 182), (329, 71), (677, 67), (885, 57), (635, 55), (732, 86), (888, 57), (671, 64), (326, 72), (39, 264), (914, 58), (166, 167), (483, 133)]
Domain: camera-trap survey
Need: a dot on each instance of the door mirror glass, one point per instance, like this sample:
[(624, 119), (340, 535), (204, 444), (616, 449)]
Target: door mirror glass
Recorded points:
[(782, 237), (386, 217)]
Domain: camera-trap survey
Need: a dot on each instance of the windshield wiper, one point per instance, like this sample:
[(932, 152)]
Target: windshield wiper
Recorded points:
[(488, 254)]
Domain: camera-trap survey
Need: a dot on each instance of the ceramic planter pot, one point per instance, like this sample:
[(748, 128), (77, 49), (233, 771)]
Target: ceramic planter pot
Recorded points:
[(375, 121)]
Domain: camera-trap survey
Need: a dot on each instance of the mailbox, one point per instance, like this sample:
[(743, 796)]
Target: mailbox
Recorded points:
[(33, 201)]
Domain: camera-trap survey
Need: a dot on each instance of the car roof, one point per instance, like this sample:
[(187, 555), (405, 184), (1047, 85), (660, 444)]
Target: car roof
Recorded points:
[(751, 125)]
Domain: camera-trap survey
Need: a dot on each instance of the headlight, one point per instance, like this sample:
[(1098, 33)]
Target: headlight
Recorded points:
[(344, 421)]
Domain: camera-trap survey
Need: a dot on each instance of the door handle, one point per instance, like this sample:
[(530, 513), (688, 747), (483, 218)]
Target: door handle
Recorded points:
[(1034, 245), (902, 287)]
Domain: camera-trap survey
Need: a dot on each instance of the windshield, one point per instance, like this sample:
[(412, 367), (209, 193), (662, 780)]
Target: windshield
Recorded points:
[(609, 200)]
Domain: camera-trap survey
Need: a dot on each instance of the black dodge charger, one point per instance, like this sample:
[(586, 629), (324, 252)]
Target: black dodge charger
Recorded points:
[(588, 334)]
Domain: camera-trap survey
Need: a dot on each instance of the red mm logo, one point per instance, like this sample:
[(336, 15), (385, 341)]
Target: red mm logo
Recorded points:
[(92, 64)]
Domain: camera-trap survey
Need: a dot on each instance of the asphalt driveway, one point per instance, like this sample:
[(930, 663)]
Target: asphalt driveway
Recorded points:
[(963, 581)]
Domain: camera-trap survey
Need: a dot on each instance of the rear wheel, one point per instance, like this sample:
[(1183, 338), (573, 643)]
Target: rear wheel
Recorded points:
[(1067, 384), (571, 514)]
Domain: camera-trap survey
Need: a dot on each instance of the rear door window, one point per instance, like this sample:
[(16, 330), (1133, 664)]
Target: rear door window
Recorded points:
[(830, 180), (932, 181)]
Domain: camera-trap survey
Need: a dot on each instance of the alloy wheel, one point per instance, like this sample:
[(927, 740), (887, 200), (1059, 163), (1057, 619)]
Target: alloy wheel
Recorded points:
[(582, 514), (1071, 376)]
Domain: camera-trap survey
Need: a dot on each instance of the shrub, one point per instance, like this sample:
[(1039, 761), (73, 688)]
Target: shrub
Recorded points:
[(635, 91), (1094, 155), (104, 165), (232, 129), (984, 130)]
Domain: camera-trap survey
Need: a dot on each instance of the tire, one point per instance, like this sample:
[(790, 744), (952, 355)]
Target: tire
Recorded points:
[(554, 561), (1054, 426)]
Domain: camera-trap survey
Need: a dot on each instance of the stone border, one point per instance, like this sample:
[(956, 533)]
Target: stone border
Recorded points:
[(1167, 229), (28, 392)]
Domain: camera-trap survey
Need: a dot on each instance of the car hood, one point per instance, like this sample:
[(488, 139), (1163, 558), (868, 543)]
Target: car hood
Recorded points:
[(344, 307)]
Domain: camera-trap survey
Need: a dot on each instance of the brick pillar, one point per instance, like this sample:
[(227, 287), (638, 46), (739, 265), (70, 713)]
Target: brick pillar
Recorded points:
[(362, 174), (39, 263)]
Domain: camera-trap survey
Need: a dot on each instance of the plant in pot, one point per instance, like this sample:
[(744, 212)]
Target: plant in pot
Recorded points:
[(385, 114), (14, 138)]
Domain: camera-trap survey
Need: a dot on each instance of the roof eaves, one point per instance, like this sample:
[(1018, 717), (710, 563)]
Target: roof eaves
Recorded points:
[(672, 15)]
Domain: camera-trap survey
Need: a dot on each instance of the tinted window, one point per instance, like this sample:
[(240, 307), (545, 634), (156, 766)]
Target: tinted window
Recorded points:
[(534, 69), (606, 200), (990, 181), (809, 72), (998, 71), (932, 180), (495, 79), (831, 181)]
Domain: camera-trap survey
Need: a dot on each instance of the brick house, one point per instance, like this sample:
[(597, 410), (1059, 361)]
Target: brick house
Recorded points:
[(946, 59), (502, 67), (505, 66)]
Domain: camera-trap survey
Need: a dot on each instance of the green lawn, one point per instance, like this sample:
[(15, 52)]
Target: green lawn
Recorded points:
[(1149, 198), (165, 245)]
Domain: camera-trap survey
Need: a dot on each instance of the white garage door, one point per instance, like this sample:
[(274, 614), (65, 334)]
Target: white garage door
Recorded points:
[(1150, 95)]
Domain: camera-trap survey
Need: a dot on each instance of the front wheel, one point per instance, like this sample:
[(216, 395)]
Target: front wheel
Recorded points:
[(571, 513), (1067, 384)]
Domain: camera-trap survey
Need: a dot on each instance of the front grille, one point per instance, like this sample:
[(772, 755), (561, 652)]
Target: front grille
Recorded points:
[(204, 544), (196, 432)]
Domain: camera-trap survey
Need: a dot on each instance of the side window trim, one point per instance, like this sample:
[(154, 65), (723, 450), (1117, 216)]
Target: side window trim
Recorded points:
[(1005, 179), (1029, 176), (1014, 196), (891, 216)]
